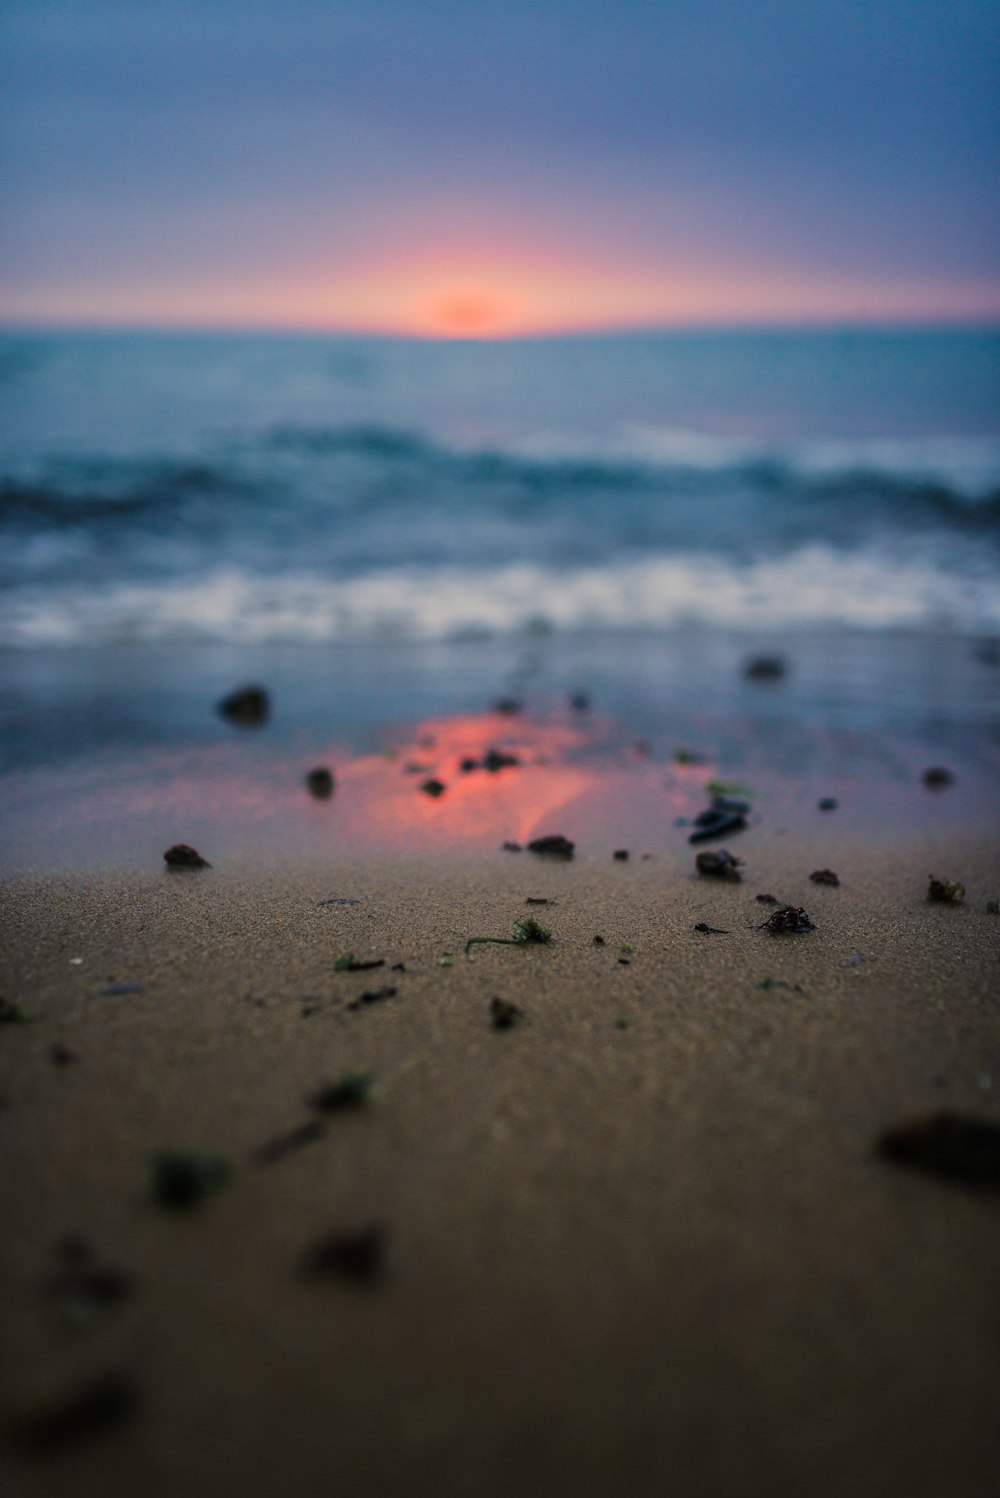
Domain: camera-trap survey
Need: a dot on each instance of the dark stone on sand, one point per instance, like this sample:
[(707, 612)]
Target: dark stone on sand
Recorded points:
[(720, 865), (504, 1015), (937, 777), (95, 1409), (789, 920), (828, 803), (434, 788), (181, 1179), (955, 1146), (944, 891), (468, 765), (320, 783), (497, 759), (599, 941), (620, 855), (511, 848), (248, 707), (719, 820), (553, 846), (358, 1255), (183, 856), (765, 668), (767, 899), (825, 876)]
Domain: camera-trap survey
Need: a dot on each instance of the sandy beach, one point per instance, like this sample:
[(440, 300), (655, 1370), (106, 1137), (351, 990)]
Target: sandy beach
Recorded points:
[(638, 1242)]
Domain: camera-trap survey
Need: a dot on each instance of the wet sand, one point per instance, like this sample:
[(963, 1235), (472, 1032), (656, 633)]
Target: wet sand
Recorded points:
[(639, 1243)]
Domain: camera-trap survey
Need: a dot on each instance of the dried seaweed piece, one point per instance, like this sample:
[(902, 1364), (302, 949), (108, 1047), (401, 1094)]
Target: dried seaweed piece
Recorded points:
[(711, 930), (620, 855), (95, 1409), (434, 788), (944, 891), (828, 803), (511, 848), (553, 846), (340, 900), (372, 996), (952, 1145), (320, 783), (937, 777), (825, 876), (599, 941), (505, 1015), (527, 932), (274, 1150), (348, 963), (120, 990), (498, 759), (720, 865), (357, 1255), (13, 1014), (767, 899), (248, 707), (183, 856), (539, 900), (688, 757), (351, 1090), (183, 1178), (787, 920)]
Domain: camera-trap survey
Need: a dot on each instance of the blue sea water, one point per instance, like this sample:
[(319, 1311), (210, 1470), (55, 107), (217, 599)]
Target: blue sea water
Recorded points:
[(248, 489)]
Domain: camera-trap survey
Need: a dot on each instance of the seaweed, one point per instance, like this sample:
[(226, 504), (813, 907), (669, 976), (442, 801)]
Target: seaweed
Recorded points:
[(767, 899), (276, 1149), (787, 920), (527, 932), (825, 876), (711, 930), (539, 900), (944, 891), (95, 1409), (13, 1014), (83, 1289), (348, 963), (357, 1255), (372, 996), (351, 1090), (505, 1015), (511, 848), (183, 1178)]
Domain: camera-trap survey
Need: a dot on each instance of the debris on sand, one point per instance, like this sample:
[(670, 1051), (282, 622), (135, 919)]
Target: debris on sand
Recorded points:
[(272, 1151), (348, 963), (580, 702), (511, 848), (765, 668), (508, 707), (599, 941), (84, 1289), (12, 1014), (248, 707), (937, 777), (357, 1255), (183, 856), (828, 803), (372, 996), (61, 1055), (504, 1015), (434, 788), (787, 920), (944, 891), (952, 1145), (553, 846), (720, 865), (539, 900), (498, 759), (767, 899), (725, 815), (320, 783), (527, 932), (183, 1178), (620, 855), (688, 757), (351, 1090), (767, 984), (711, 930), (95, 1409), (825, 876), (120, 990)]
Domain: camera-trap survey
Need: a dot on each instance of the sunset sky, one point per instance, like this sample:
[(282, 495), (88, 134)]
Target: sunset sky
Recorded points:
[(453, 168)]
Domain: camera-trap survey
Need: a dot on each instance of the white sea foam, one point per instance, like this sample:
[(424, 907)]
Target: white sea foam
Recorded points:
[(814, 586)]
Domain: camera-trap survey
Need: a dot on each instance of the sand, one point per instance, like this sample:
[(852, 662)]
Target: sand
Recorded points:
[(639, 1243)]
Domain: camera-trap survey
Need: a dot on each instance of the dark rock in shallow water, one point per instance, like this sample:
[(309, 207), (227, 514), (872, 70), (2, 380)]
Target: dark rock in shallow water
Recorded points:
[(320, 783), (249, 707), (553, 846), (951, 1145), (183, 856)]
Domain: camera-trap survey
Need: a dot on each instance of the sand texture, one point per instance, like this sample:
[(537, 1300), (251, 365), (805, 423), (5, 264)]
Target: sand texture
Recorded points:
[(637, 1244)]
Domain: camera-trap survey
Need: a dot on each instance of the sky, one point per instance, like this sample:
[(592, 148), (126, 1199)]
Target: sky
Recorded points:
[(457, 168)]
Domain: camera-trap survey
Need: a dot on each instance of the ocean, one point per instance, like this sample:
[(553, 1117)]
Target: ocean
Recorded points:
[(260, 490)]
